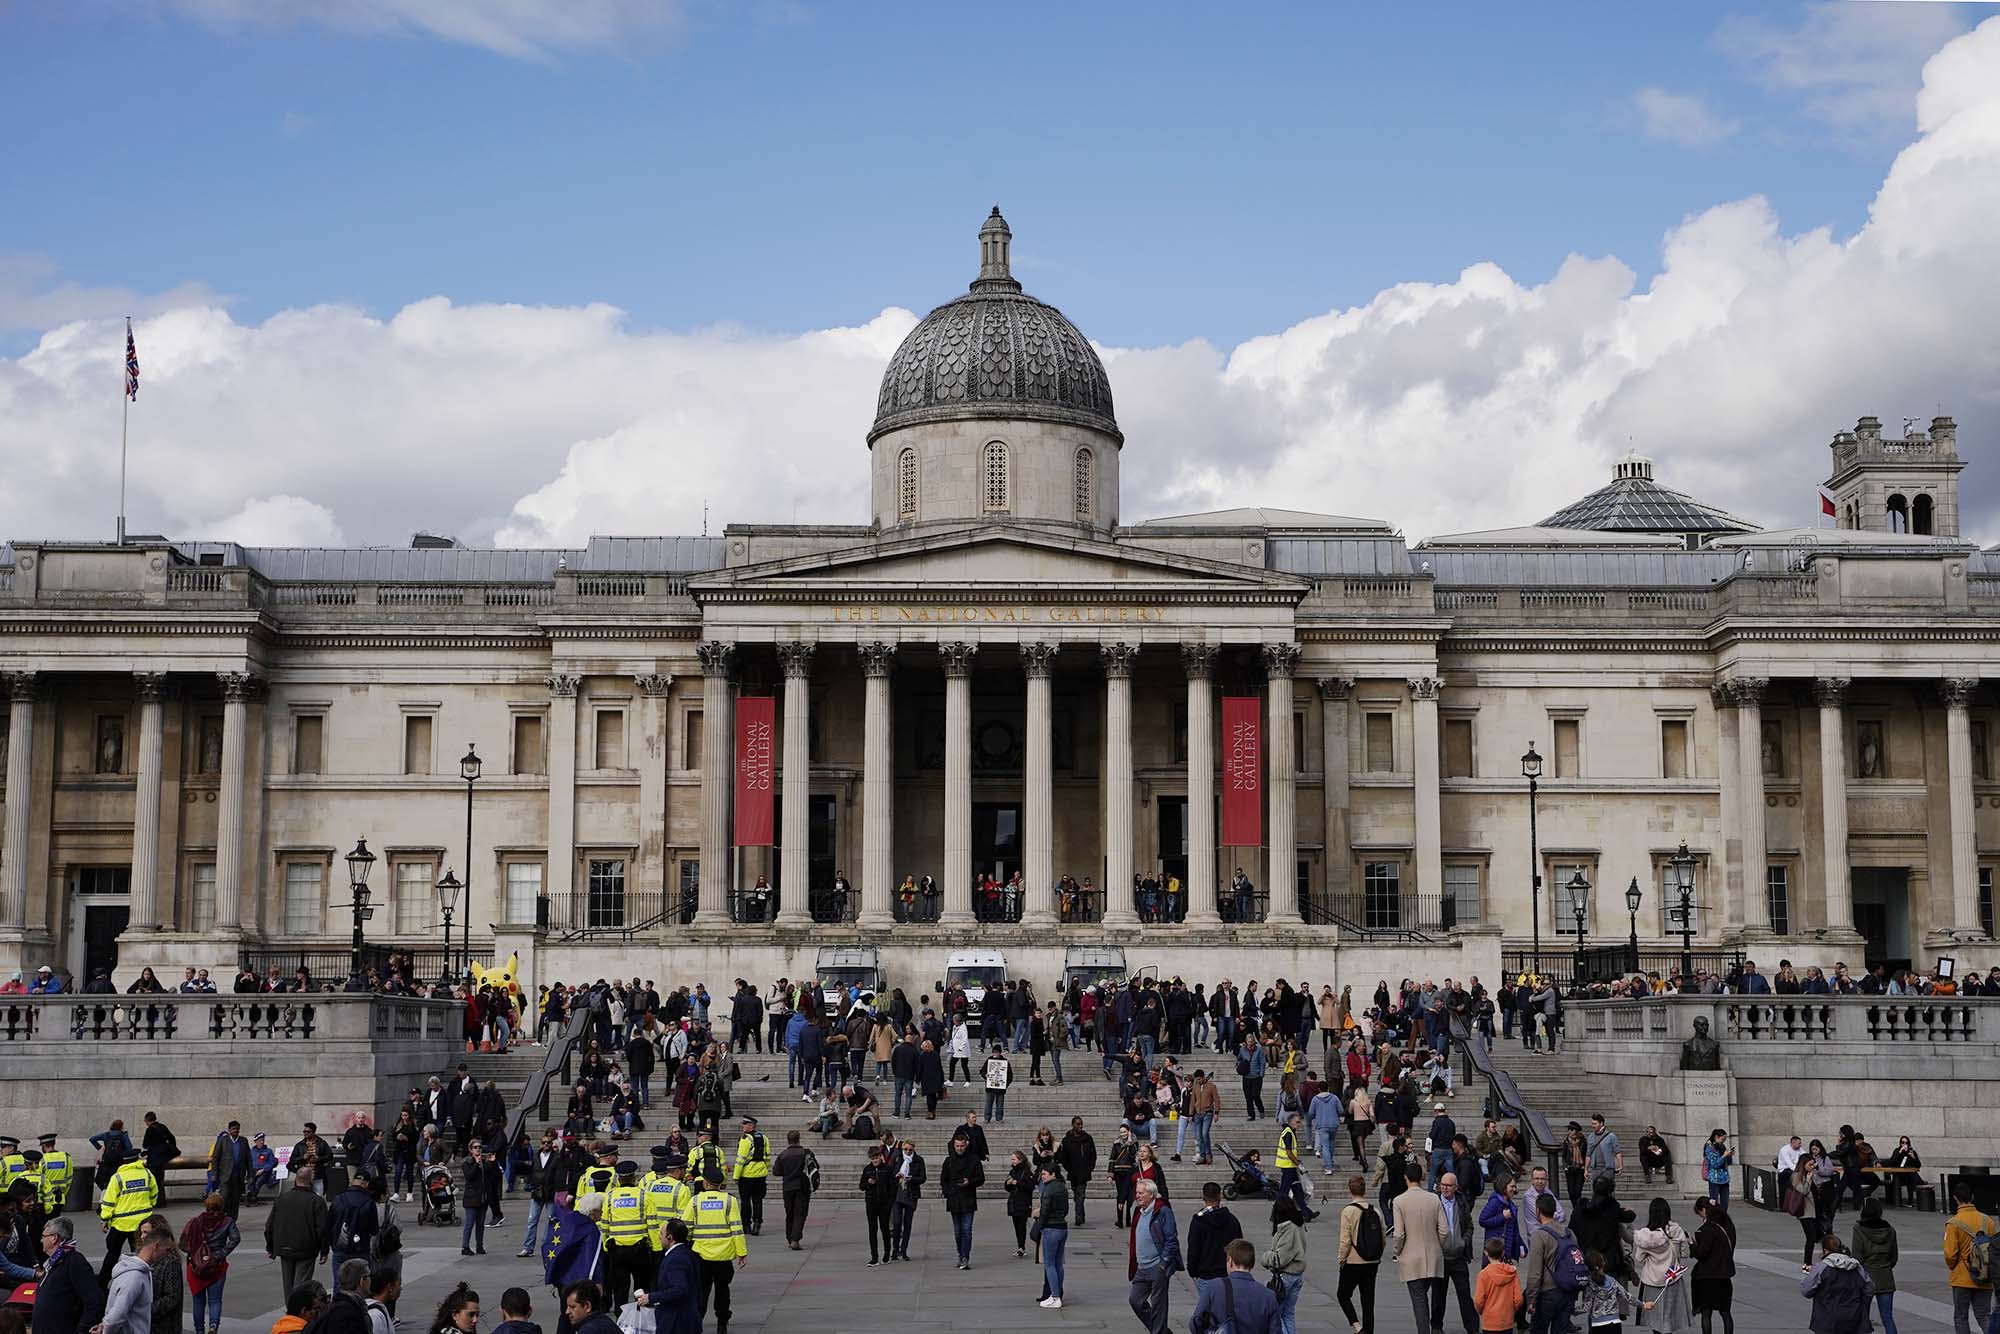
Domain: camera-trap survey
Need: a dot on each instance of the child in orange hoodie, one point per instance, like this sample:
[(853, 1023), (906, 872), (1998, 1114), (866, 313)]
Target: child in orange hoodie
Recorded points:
[(1497, 1294)]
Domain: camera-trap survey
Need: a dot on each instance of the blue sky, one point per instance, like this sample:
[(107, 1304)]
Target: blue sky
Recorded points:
[(564, 267), (1171, 171)]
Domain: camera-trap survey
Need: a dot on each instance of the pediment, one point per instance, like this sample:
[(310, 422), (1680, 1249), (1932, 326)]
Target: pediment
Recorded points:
[(999, 559)]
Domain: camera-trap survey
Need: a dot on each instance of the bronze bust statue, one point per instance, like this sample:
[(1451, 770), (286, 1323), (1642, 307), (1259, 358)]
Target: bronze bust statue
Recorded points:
[(1701, 1052)]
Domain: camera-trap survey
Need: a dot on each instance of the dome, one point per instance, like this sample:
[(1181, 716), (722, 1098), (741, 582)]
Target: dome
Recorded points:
[(995, 353)]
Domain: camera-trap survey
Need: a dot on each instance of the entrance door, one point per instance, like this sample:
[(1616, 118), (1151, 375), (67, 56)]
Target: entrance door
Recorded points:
[(820, 843), (100, 907), (1172, 816), (1882, 914), (996, 840)]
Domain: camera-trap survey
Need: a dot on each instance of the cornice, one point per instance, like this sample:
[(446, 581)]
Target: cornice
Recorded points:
[(30, 623), (412, 639), (781, 595), (1401, 632)]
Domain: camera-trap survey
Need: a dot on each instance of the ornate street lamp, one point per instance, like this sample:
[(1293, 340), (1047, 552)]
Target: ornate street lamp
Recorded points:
[(1632, 897), (1579, 886), (359, 863), (447, 892), (468, 769), (1531, 769), (1683, 864)]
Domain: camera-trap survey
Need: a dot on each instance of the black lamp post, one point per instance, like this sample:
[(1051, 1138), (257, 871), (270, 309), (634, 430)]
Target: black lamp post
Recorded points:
[(1531, 769), (1632, 897), (1683, 864), (468, 769), (1579, 886), (447, 892), (359, 863)]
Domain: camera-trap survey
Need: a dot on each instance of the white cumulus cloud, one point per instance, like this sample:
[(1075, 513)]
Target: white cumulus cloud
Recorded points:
[(1681, 118), (1488, 400)]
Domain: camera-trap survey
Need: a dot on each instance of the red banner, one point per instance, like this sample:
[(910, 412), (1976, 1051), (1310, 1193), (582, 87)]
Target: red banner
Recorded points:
[(756, 769), (1242, 771)]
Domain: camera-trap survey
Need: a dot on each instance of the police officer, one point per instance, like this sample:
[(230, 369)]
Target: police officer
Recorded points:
[(58, 1171), (628, 1258), (667, 1193), (753, 1173), (1288, 1166), (715, 1230), (130, 1195), (600, 1179), (12, 1164), (706, 1158)]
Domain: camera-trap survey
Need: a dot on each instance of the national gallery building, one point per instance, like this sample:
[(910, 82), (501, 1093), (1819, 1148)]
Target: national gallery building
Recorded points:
[(698, 757)]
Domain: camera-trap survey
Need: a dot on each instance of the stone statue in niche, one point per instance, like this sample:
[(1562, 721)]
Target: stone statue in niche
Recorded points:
[(211, 746), (110, 745), (1774, 752), (1701, 1052), (1869, 738)]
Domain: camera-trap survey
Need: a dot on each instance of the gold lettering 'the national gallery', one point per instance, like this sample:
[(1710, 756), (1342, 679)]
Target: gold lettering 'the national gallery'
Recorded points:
[(996, 614)]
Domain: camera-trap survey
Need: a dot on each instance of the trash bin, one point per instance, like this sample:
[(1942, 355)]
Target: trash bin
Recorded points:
[(1761, 1186)]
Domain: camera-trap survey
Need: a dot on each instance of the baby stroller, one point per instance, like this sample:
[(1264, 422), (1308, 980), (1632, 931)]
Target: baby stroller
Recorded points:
[(1247, 1179), (439, 1201)]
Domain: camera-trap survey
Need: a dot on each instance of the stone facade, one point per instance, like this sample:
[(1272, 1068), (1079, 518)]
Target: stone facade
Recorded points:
[(197, 732)]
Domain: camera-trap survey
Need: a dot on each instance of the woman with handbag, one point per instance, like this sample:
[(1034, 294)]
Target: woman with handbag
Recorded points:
[(1286, 1259), (207, 1240)]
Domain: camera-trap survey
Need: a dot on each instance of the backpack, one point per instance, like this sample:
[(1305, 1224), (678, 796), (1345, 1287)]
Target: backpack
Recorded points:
[(1978, 1253), (812, 1172), (1569, 1273), (708, 1088), (1243, 1067), (1368, 1242)]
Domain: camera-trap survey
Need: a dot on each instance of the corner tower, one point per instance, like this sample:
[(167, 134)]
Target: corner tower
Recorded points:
[(1897, 486), (995, 407)]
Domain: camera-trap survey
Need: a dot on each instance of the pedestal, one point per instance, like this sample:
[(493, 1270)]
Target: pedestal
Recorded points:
[(1691, 1104)]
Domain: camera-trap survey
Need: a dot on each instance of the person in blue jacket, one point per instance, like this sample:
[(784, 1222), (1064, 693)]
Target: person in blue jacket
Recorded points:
[(676, 1291), (1247, 1307)]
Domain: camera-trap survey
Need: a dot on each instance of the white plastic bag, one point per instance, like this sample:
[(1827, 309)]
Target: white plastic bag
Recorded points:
[(635, 1319)]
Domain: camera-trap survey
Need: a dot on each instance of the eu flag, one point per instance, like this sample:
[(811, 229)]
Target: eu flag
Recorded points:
[(573, 1248)]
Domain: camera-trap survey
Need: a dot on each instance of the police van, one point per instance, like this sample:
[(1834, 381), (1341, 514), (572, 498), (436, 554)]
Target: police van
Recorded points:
[(975, 972)]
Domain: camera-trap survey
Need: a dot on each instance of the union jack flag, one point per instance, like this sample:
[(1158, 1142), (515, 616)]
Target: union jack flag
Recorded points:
[(131, 362)]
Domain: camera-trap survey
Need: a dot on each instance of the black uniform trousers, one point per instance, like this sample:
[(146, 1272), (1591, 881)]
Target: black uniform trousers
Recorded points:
[(751, 1190), (715, 1276), (797, 1203), (881, 1237), (628, 1266)]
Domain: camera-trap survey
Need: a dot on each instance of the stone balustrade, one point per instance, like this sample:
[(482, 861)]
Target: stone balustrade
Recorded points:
[(1956, 1022), (28, 1022)]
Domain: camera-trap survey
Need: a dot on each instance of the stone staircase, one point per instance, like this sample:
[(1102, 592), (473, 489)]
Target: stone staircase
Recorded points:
[(1556, 1085)]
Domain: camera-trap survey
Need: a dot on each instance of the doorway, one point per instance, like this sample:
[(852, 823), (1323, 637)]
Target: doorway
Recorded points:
[(1172, 817), (996, 840), (100, 906), (820, 843), (1882, 914)]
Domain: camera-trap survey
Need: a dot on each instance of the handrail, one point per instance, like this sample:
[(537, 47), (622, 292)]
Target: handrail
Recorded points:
[(535, 1093), (1505, 1094), (1316, 912)]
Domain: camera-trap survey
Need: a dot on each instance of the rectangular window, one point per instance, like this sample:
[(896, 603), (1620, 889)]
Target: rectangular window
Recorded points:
[(1986, 900), (1381, 735), (1778, 898), (308, 743), (524, 886), (691, 739), (1563, 900), (528, 745), (417, 744), (1382, 895), (1669, 899), (611, 738), (414, 882), (690, 887), (1458, 748), (1673, 748), (1461, 894), (304, 915), (203, 905), (1569, 748), (604, 905)]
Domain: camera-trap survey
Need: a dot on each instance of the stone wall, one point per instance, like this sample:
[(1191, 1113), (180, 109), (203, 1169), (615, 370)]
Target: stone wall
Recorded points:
[(74, 1063)]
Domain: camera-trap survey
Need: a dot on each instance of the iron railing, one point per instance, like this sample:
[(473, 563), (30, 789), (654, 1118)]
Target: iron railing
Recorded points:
[(1415, 918), (584, 914), (1561, 966)]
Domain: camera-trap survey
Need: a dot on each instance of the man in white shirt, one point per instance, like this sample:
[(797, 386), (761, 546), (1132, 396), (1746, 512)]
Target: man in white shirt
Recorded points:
[(1789, 1154), (1538, 1184)]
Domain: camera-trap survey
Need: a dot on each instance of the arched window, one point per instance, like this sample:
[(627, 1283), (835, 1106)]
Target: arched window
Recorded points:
[(1086, 483), (1920, 516), (906, 484), (995, 476), (1899, 514)]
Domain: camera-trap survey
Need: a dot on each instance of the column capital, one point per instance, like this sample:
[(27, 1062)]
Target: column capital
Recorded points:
[(236, 686), (150, 686), (23, 687), (796, 659), (958, 656), (563, 685), (1335, 687), (1038, 658), (1425, 688), (1718, 695), (877, 658), (1119, 659), (1280, 660), (1746, 692), (717, 658), (1198, 661), (654, 684), (1957, 691), (1830, 691)]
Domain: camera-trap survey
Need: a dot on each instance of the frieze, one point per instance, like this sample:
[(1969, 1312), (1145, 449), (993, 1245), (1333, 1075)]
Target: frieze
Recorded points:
[(923, 613)]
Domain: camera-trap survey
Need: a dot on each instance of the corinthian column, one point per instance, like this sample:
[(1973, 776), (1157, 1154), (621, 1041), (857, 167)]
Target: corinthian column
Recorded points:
[(236, 687), (562, 794), (21, 691), (1957, 694), (1748, 692), (1118, 661), (1833, 804), (1430, 838), (957, 869), (146, 805), (1281, 780), (878, 785), (1198, 661), (718, 663), (793, 875), (1333, 692), (1039, 659)]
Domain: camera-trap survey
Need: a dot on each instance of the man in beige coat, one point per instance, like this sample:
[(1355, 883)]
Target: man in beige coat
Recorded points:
[(1417, 1235)]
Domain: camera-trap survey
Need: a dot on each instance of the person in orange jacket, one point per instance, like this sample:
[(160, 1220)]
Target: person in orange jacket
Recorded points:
[(1497, 1294)]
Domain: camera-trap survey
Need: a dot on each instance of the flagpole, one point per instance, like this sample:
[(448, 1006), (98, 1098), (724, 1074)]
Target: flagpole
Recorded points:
[(124, 434)]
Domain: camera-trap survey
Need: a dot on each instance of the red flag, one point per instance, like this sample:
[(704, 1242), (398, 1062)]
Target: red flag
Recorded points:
[(1826, 506), (1242, 771), (756, 735)]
